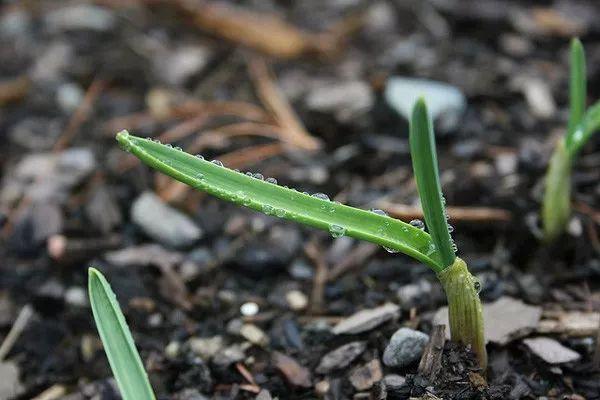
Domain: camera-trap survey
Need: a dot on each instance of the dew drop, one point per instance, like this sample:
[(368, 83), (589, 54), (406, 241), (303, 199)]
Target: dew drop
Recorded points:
[(337, 231), (390, 250), (450, 229), (477, 285), (217, 162), (417, 223), (156, 141), (271, 180), (178, 148), (199, 156), (280, 212), (430, 249), (379, 212), (321, 196), (246, 201), (250, 174), (169, 145), (199, 176), (259, 176), (267, 209)]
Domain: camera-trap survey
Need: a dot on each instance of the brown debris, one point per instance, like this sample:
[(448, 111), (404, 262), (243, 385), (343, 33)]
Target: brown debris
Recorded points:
[(12, 90), (317, 295), (294, 373), (569, 323), (365, 376), (431, 361), (463, 214)]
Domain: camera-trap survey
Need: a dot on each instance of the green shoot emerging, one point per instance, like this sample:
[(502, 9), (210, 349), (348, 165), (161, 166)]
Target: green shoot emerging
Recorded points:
[(556, 207), (123, 357), (253, 191), (462, 289)]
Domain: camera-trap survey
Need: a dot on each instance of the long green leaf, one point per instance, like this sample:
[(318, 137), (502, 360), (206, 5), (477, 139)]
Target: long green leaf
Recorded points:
[(577, 88), (123, 357), (589, 125), (425, 166), (282, 202)]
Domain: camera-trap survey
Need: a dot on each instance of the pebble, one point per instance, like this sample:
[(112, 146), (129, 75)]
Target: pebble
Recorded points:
[(364, 376), (144, 255), (172, 350), (294, 373), (264, 394), (76, 296), (190, 394), (206, 347), (102, 210), (413, 293), (347, 101), (406, 346), (445, 103), (249, 309), (551, 350), (80, 17), (538, 96), (180, 64), (10, 385), (393, 381), (366, 320), (163, 223), (296, 300), (340, 357), (36, 133), (229, 355), (254, 335), (506, 163), (69, 96)]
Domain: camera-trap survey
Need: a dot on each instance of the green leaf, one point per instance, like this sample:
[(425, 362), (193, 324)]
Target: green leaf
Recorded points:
[(589, 125), (425, 166), (123, 357), (282, 202), (577, 88)]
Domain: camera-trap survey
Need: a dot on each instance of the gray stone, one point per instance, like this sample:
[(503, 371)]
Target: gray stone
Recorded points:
[(345, 100), (394, 381), (76, 296), (229, 355), (206, 347), (364, 376), (550, 350), (80, 17), (144, 255), (365, 320), (445, 103), (10, 385), (406, 346), (163, 223), (176, 66), (340, 357)]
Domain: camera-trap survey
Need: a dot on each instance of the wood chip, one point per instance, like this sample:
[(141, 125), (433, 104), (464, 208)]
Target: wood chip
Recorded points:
[(294, 373)]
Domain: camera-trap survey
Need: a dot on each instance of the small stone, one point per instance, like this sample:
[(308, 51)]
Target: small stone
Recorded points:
[(10, 385), (144, 255), (346, 100), (76, 296), (366, 320), (172, 350), (363, 377), (445, 103), (551, 350), (340, 357), (163, 223), (102, 210), (296, 300), (229, 355), (249, 309), (207, 347), (80, 17), (180, 64), (411, 294), (69, 97), (189, 394), (538, 96), (406, 346), (254, 335), (393, 381), (506, 163), (294, 373), (264, 394), (322, 387)]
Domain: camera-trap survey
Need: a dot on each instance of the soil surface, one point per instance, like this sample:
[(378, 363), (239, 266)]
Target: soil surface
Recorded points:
[(226, 303)]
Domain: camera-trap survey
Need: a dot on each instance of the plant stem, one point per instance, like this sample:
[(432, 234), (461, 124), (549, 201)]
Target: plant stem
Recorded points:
[(464, 308), (556, 207)]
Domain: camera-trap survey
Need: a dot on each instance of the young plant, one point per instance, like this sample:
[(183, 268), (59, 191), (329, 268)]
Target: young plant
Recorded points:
[(123, 357), (253, 191), (556, 206)]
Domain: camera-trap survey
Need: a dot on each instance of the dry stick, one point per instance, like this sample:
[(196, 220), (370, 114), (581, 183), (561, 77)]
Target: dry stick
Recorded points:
[(467, 214), (587, 210), (274, 101), (18, 327), (80, 115), (54, 392), (13, 89), (317, 296), (431, 361)]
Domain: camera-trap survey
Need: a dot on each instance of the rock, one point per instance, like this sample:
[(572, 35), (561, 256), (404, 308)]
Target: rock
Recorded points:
[(102, 210), (505, 319), (69, 97), (206, 348), (340, 357), (406, 346), (550, 350), (506, 163), (445, 103), (294, 373), (144, 255), (364, 376), (80, 17), (414, 293), (229, 355), (538, 96), (345, 100), (300, 270), (36, 133), (365, 320), (189, 394), (393, 381), (178, 65), (254, 335), (264, 394), (163, 223), (296, 300), (10, 385), (76, 296)]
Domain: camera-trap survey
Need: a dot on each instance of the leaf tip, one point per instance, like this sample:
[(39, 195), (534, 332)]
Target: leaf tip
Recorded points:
[(123, 137)]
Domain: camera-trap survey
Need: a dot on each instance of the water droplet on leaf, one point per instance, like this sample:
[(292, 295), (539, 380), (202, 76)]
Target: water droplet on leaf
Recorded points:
[(417, 223), (337, 231)]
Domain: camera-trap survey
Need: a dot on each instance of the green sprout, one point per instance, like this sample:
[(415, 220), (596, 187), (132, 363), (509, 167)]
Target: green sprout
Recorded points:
[(436, 249), (122, 355), (556, 206)]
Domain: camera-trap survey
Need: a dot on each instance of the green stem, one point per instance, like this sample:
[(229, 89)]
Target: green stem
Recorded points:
[(556, 206), (464, 308)]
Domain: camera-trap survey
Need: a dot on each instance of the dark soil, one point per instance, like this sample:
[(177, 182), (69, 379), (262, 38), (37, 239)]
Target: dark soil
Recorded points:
[(70, 69)]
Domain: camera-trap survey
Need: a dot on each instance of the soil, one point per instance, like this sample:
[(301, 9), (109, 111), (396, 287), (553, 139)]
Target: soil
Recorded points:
[(264, 291)]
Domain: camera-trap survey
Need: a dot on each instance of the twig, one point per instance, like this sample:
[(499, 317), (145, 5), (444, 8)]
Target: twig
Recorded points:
[(80, 115), (14, 89), (466, 214), (277, 104), (54, 392), (317, 296), (431, 361), (18, 327)]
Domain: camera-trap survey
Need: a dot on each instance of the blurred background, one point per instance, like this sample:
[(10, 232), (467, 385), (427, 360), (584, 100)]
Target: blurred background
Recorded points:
[(227, 303)]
